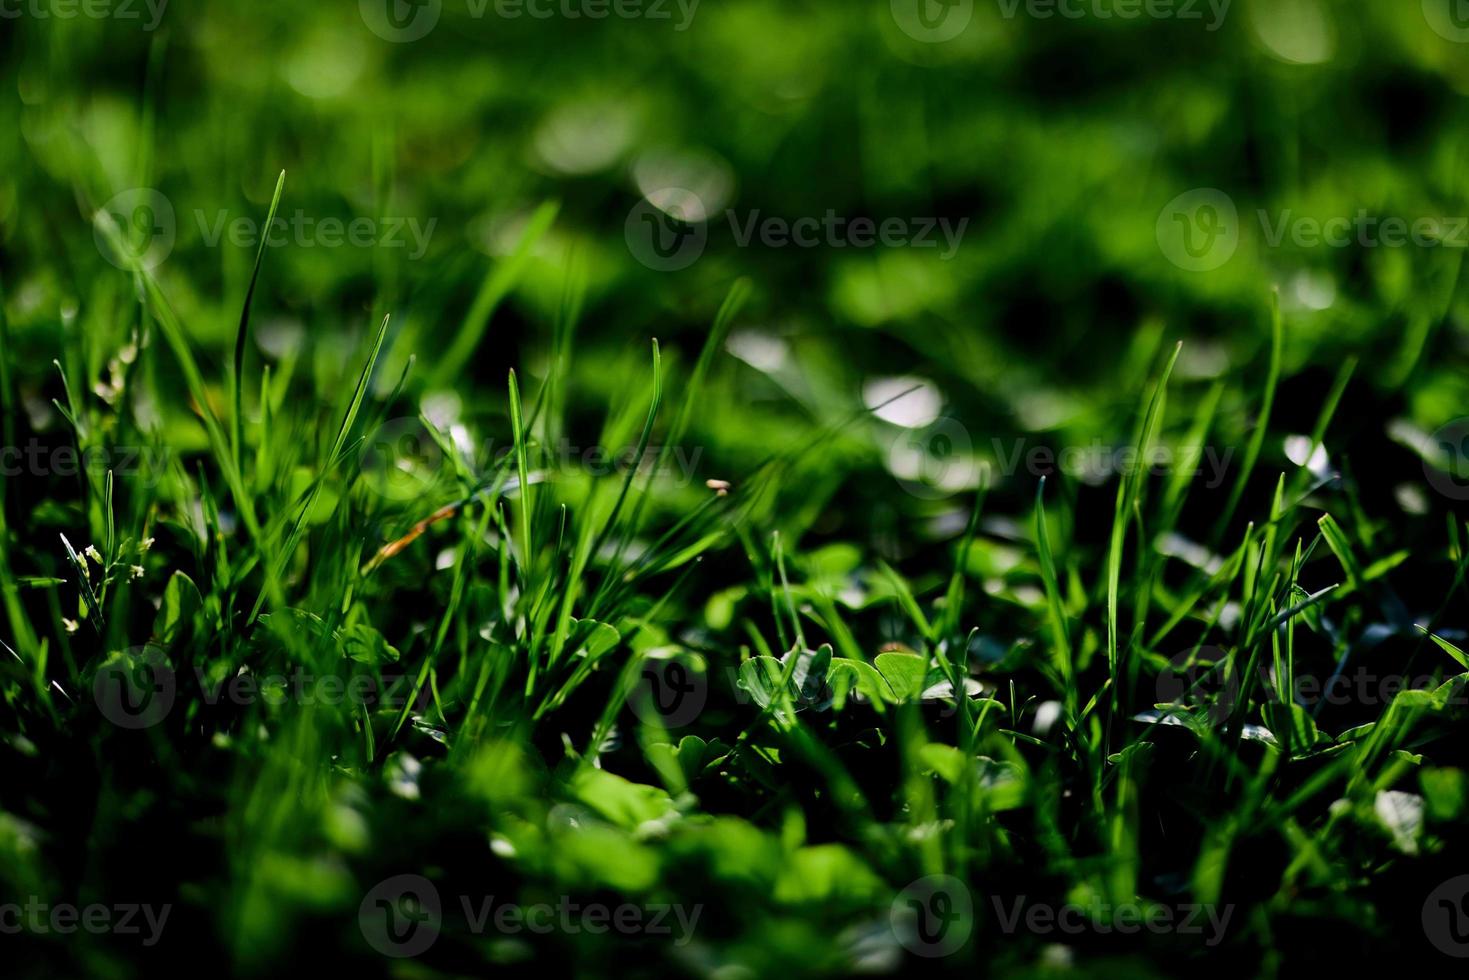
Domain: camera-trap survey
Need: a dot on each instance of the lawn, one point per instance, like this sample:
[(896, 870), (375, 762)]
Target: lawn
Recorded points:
[(734, 488)]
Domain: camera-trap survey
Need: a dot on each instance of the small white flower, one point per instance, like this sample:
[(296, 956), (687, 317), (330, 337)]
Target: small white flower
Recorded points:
[(71, 625), (91, 553), (145, 544), (137, 571)]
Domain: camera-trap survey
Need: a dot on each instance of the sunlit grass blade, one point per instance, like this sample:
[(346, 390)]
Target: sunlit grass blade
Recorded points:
[(1128, 493), (237, 383)]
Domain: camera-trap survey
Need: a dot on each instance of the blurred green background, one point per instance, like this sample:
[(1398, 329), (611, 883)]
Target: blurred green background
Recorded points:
[(1060, 141)]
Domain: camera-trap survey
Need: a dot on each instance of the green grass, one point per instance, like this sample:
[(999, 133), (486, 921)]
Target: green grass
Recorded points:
[(344, 597)]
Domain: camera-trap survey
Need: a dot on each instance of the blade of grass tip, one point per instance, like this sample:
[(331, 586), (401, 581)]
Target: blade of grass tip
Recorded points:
[(546, 411), (147, 142), (173, 332), (1323, 421), (1056, 612), (1286, 615), (275, 574), (237, 432), (360, 392), (734, 301), (1421, 327), (654, 559), (637, 457), (1178, 483), (1262, 424), (1459, 655), (1127, 492), (522, 469), (906, 601), (1461, 567), (496, 286), (72, 411), (948, 623), (94, 608), (763, 565), (1341, 546), (1277, 512), (785, 587)]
